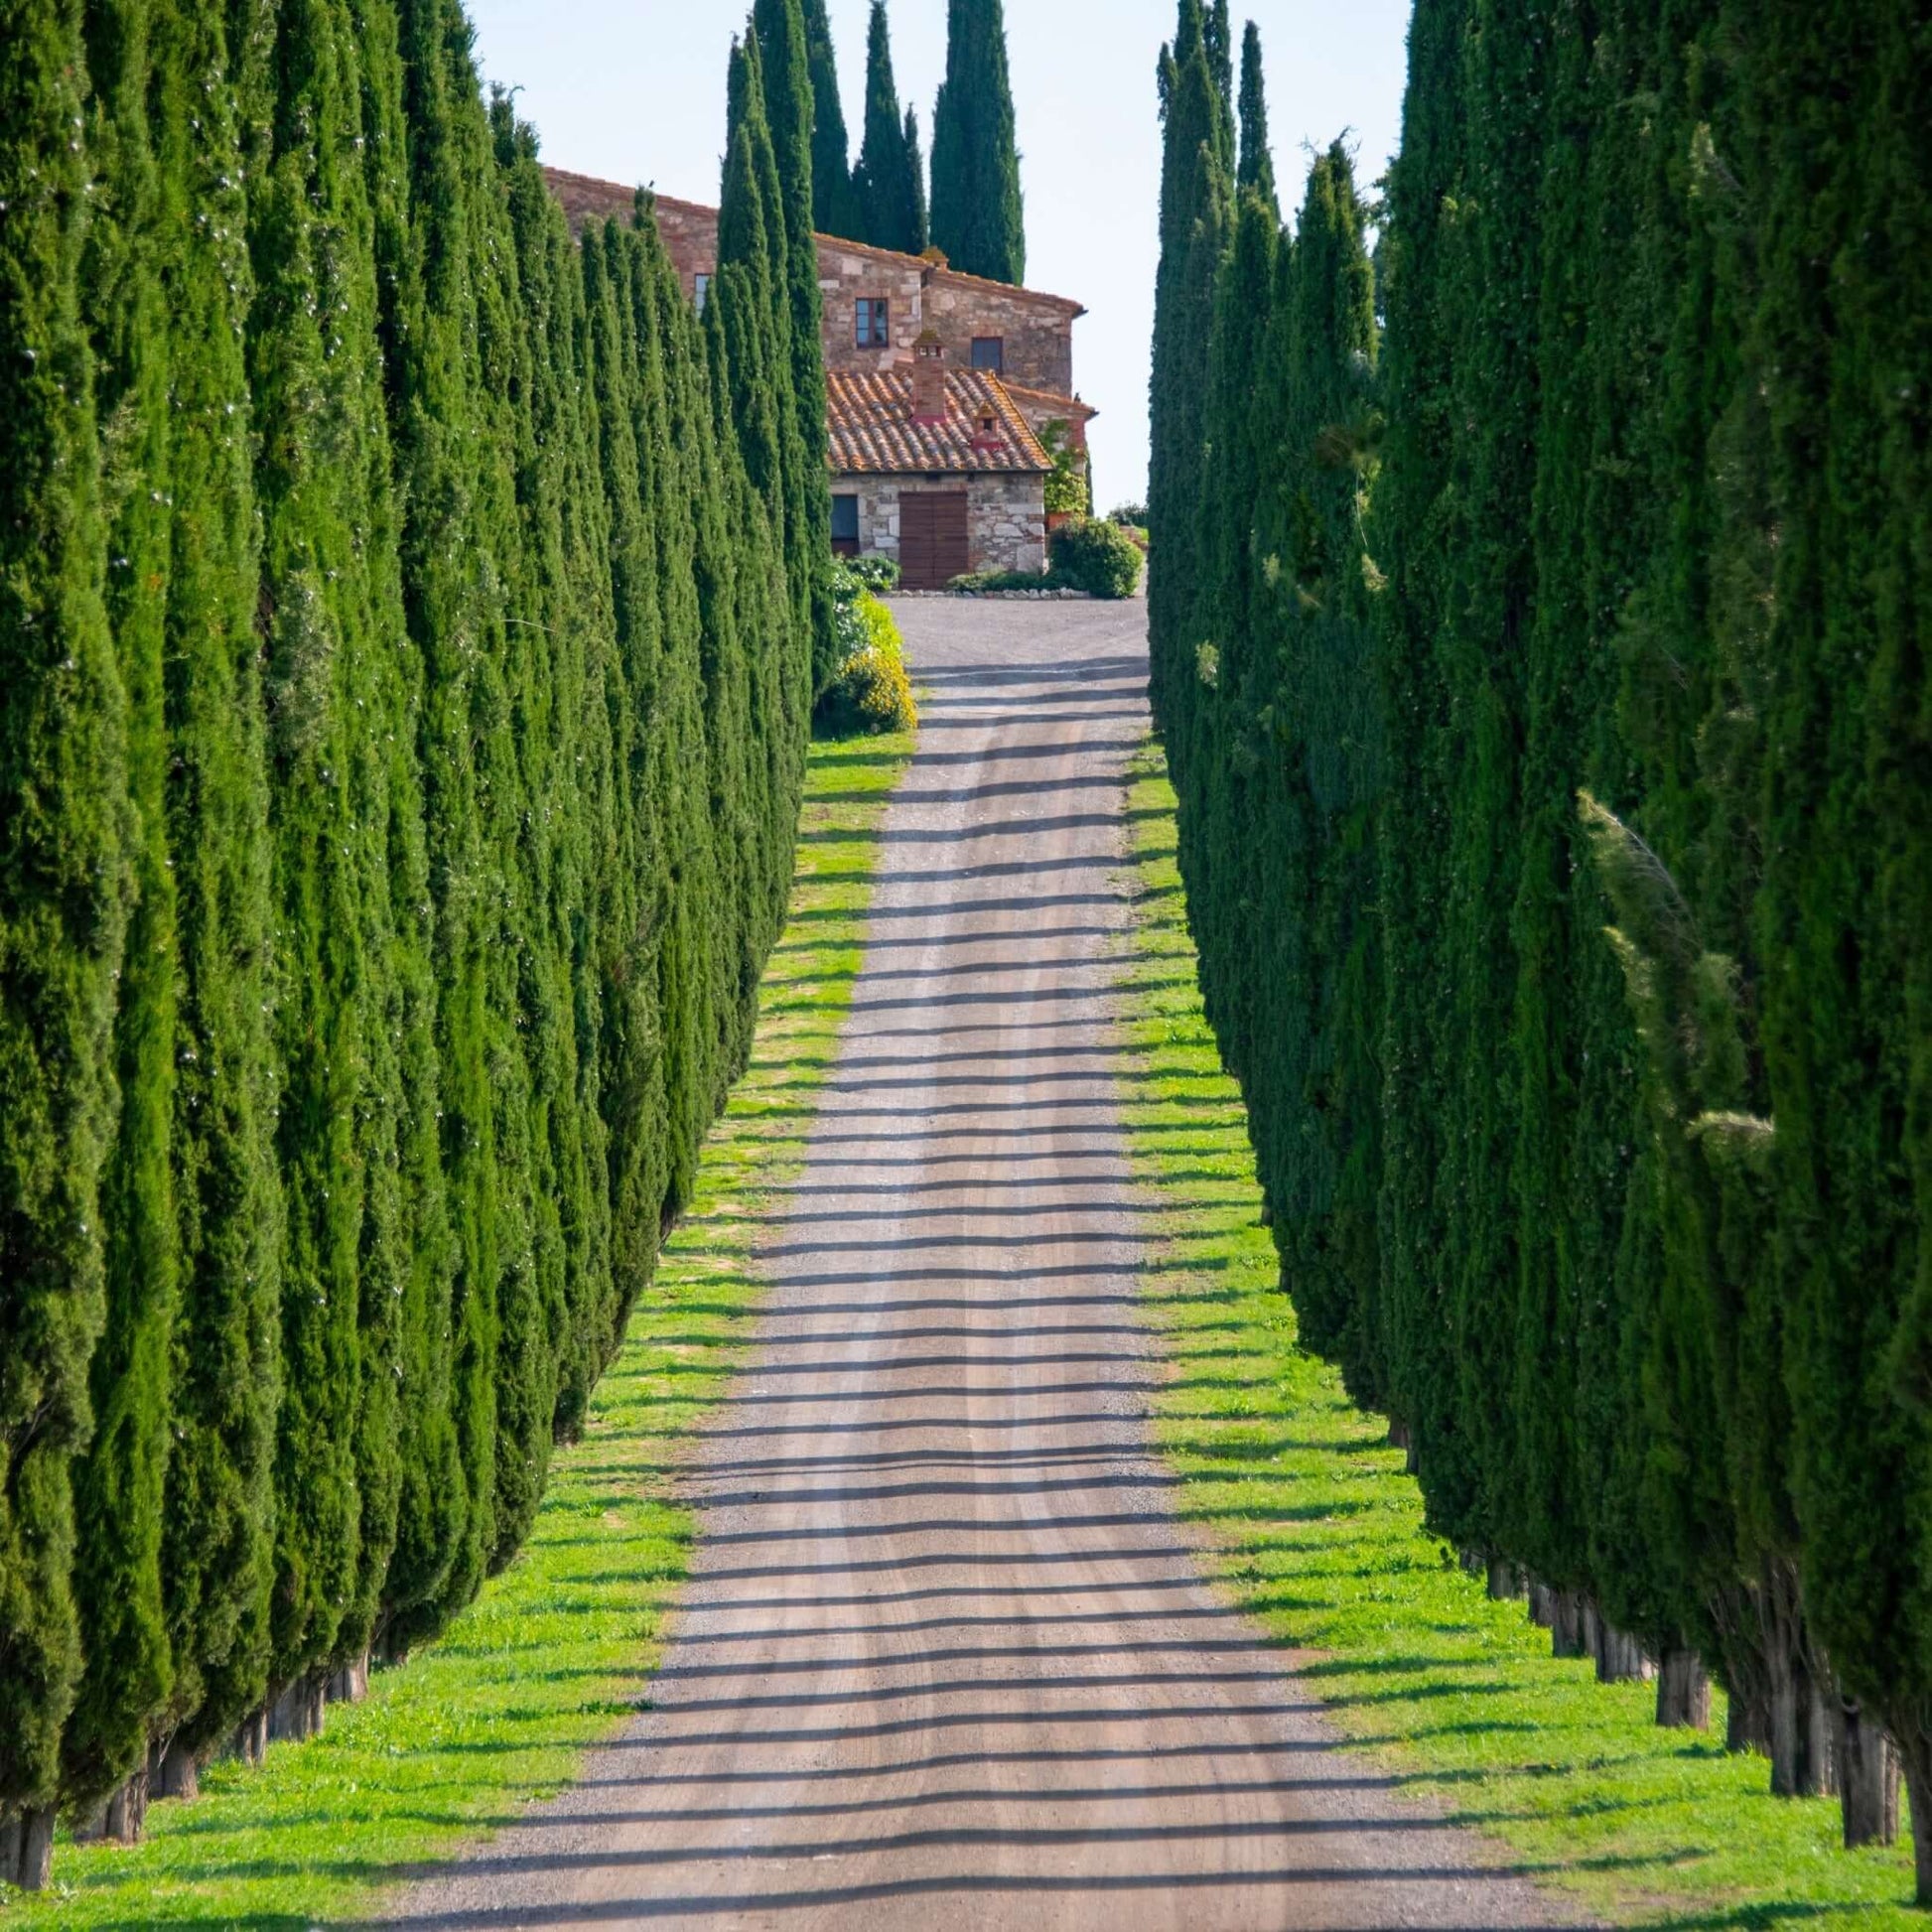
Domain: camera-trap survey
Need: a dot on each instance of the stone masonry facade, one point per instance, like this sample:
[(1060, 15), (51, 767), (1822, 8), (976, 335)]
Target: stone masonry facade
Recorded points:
[(923, 299), (1006, 519)]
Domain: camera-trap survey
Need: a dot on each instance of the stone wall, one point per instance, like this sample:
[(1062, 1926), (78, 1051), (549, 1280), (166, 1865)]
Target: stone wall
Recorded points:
[(1006, 523), (1006, 516), (1036, 329)]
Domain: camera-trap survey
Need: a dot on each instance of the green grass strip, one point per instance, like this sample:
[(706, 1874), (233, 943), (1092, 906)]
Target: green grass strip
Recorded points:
[(1318, 1532), (555, 1655)]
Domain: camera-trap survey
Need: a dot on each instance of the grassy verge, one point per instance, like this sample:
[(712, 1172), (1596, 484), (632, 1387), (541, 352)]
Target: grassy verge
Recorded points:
[(1318, 1533), (553, 1656)]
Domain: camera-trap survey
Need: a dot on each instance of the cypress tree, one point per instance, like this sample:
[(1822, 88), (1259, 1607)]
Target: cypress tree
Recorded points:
[(1196, 165), (1487, 601), (1256, 169), (1411, 541), (978, 214), (421, 1510), (1840, 319), (783, 72), (308, 237), (117, 1482), (916, 172), (225, 1385), (835, 203), (65, 827), (631, 995), (889, 180), (1321, 1060)]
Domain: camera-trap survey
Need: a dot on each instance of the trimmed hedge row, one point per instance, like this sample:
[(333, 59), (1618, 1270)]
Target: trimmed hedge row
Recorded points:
[(407, 632), (1593, 595)]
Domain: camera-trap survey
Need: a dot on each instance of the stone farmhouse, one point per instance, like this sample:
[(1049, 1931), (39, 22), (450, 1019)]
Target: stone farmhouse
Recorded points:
[(945, 393)]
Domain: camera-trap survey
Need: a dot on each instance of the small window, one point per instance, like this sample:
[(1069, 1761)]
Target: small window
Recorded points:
[(700, 291), (990, 353), (875, 322), (845, 527)]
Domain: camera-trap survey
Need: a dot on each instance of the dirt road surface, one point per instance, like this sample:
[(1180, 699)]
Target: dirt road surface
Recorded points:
[(946, 1660)]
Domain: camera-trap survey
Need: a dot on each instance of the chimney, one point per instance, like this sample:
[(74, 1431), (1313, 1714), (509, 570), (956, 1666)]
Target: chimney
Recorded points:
[(986, 434), (928, 379)]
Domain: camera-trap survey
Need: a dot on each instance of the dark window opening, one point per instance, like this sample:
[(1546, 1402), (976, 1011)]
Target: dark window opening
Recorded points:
[(845, 527), (990, 353), (875, 322)]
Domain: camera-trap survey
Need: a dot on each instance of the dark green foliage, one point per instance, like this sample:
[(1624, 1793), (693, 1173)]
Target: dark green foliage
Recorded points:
[(1840, 335), (1618, 622), (1196, 172), (1093, 555), (407, 624), (217, 1526), (889, 180), (978, 214), (117, 1483), (779, 28), (1257, 166), (835, 202), (66, 833)]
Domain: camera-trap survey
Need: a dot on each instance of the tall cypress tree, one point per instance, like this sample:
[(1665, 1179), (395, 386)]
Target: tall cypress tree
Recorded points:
[(410, 1232), (783, 75), (117, 1483), (890, 180), (319, 633), (65, 830), (1195, 209), (1841, 317), (835, 204), (978, 214), (1319, 1059), (1256, 169)]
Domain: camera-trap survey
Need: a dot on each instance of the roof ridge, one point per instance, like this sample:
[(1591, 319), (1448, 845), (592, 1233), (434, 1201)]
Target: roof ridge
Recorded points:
[(838, 242)]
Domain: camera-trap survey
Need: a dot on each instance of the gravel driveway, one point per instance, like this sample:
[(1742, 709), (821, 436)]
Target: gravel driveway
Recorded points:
[(945, 1659)]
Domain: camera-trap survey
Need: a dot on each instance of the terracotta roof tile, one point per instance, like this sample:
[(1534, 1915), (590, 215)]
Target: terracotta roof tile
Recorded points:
[(869, 416), (1064, 405)]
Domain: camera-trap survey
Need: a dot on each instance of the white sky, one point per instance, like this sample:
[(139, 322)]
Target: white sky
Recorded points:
[(634, 90)]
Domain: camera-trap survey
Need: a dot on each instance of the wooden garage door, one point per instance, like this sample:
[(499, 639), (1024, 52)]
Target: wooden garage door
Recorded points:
[(932, 547)]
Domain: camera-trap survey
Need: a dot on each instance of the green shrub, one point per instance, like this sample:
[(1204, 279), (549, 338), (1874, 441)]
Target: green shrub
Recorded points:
[(871, 691), (1096, 556), (981, 582), (879, 575)]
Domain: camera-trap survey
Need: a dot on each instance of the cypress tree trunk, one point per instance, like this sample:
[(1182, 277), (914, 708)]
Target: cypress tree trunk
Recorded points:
[(1868, 1777), (1683, 1692), (127, 1808), (1915, 1766), (1570, 1614), (1619, 1656), (175, 1771), (1799, 1720)]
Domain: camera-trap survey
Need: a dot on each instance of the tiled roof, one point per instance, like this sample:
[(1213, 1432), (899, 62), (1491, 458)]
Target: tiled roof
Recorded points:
[(1060, 405), (871, 432), (585, 197)]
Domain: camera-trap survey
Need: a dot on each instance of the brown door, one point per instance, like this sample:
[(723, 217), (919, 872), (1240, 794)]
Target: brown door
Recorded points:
[(932, 547)]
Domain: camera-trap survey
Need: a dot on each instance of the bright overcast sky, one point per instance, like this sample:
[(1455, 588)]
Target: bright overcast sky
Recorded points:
[(634, 90)]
